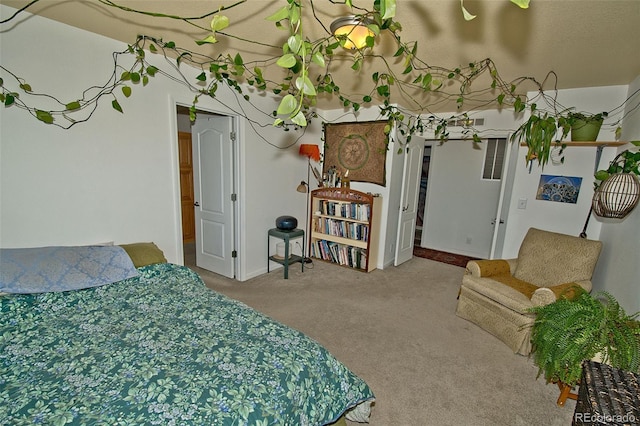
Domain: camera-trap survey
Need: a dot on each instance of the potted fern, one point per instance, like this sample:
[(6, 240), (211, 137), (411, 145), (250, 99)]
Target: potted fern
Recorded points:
[(569, 331)]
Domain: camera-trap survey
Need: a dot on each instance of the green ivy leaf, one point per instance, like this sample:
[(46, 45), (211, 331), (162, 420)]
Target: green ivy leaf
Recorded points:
[(500, 98), (26, 87), (72, 106), (151, 70), (44, 116), (9, 100), (300, 119), (305, 85), (126, 90), (282, 13), (524, 4), (366, 98), (116, 105), (237, 60), (135, 77), (295, 43), (426, 81), (202, 76), (465, 13), (170, 45), (387, 8), (219, 23), (210, 39), (288, 104), (125, 76), (318, 59), (152, 48), (145, 80), (383, 90), (286, 61), (370, 41)]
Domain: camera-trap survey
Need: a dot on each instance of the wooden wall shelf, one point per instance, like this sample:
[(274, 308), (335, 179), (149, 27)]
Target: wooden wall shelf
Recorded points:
[(588, 143)]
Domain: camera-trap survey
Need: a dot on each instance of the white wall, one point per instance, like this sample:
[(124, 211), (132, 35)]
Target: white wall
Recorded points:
[(618, 269), (115, 178), (579, 161)]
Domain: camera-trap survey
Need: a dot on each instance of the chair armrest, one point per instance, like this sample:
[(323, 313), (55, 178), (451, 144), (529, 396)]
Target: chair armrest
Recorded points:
[(489, 268), (546, 295), (586, 285)]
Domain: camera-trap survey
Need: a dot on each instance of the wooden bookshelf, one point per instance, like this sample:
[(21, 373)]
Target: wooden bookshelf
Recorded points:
[(344, 227)]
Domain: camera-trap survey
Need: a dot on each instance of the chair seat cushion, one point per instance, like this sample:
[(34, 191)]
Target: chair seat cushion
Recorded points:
[(500, 293), (522, 286)]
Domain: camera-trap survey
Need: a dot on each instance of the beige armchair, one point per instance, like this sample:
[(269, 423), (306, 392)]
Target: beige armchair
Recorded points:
[(496, 294)]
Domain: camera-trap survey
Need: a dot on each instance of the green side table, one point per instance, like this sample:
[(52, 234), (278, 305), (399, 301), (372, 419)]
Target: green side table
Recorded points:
[(285, 236)]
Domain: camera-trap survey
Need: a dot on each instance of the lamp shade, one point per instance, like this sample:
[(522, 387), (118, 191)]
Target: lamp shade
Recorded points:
[(616, 196), (354, 29), (310, 150)]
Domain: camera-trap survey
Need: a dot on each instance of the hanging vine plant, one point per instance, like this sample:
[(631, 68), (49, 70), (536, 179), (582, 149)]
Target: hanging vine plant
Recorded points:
[(302, 72)]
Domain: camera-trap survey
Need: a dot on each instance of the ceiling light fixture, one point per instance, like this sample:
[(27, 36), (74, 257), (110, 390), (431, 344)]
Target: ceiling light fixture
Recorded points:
[(355, 29)]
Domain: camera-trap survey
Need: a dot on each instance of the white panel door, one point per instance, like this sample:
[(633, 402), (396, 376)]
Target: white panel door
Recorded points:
[(213, 189), (409, 202)]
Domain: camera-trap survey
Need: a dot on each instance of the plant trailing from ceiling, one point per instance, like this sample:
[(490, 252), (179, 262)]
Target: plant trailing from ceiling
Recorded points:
[(569, 331), (300, 85), (307, 66)]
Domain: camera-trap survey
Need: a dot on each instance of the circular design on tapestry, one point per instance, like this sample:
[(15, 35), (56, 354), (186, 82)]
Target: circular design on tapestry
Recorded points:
[(353, 152)]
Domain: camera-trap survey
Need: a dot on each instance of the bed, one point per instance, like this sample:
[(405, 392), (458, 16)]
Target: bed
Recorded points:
[(157, 347)]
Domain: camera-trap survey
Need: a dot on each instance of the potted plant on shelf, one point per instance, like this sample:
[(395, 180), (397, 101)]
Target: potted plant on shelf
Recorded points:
[(569, 331), (583, 126), (546, 131)]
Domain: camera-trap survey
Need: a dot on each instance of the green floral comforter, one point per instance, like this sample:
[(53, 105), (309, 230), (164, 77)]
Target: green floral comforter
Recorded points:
[(162, 349)]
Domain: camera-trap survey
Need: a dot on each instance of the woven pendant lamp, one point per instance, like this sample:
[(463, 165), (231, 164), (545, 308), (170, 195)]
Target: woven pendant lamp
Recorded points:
[(616, 196)]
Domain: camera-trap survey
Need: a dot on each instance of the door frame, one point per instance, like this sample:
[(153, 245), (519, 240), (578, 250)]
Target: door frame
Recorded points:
[(237, 155), (413, 152), (502, 206)]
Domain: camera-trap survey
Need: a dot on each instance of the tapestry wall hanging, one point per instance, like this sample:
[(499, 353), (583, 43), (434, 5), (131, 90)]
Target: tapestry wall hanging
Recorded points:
[(357, 148), (563, 189)]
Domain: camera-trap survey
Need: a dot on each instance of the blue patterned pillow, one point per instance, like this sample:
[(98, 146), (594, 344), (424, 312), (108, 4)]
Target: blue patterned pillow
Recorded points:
[(49, 269)]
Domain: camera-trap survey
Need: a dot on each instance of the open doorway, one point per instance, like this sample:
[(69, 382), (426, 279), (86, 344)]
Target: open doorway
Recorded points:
[(207, 167), (422, 196)]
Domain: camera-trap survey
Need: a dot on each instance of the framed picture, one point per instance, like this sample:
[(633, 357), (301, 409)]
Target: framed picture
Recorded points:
[(357, 148), (562, 189)]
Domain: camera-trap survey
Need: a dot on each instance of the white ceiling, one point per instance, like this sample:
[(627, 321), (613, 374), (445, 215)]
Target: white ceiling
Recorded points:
[(585, 42)]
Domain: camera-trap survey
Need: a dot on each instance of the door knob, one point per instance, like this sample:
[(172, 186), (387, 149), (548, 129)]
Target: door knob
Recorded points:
[(197, 204)]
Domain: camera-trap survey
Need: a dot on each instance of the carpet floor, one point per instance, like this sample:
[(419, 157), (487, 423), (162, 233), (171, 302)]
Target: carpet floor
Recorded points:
[(397, 329)]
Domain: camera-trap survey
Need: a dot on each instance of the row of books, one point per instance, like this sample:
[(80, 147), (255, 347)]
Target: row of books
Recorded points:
[(340, 228), (357, 211), (342, 254)]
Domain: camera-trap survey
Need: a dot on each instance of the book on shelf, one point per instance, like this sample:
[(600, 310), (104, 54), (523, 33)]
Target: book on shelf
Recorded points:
[(350, 210), (341, 254), (341, 228)]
